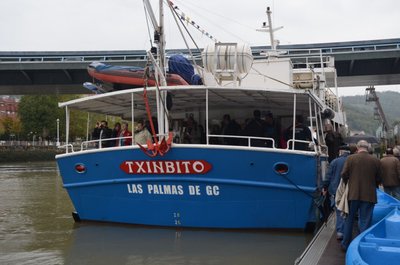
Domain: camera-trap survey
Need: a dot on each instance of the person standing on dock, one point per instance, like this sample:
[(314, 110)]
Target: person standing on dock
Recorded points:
[(332, 183), (362, 173), (390, 167), (333, 140)]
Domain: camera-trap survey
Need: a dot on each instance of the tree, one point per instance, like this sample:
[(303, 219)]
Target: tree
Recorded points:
[(38, 115)]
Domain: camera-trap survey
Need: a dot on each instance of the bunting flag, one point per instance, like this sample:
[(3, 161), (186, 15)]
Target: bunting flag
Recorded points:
[(185, 18)]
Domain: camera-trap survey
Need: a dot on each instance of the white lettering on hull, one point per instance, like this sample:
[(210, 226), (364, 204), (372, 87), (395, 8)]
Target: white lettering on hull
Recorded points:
[(168, 189)]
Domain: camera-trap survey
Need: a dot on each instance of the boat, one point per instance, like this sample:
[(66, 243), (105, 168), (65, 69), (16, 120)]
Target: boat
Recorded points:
[(380, 244), (210, 179), (128, 76), (385, 204)]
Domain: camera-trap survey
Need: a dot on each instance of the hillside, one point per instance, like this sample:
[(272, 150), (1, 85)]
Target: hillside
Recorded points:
[(360, 114)]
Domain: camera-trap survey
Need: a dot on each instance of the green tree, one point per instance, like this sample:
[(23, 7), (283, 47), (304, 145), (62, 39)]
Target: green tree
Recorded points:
[(38, 115)]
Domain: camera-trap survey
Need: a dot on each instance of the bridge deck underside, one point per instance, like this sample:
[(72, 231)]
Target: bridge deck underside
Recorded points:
[(355, 67)]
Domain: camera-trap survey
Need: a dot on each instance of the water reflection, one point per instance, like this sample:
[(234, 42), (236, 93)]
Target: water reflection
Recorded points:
[(37, 228), (104, 244)]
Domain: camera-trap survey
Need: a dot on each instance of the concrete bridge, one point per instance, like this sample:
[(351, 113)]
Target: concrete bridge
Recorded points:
[(358, 63)]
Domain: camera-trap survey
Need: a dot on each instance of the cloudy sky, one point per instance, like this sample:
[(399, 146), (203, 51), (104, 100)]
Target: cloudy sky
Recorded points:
[(59, 25)]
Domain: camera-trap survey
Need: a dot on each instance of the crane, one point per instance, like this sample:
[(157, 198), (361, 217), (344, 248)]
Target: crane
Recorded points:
[(371, 96)]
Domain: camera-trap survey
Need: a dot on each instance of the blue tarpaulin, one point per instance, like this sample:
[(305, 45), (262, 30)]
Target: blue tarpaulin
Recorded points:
[(179, 65)]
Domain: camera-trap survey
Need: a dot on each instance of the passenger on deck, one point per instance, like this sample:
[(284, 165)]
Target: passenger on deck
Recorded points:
[(96, 133), (115, 134), (230, 127), (155, 124), (302, 133), (215, 130), (256, 128), (141, 134), (270, 129), (125, 133), (191, 134), (105, 133)]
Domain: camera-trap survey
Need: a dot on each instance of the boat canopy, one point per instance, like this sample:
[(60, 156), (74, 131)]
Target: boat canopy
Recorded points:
[(193, 98)]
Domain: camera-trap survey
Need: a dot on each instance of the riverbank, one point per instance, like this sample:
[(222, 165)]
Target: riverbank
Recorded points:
[(31, 154)]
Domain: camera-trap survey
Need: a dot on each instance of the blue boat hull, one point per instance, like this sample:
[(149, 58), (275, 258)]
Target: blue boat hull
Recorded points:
[(380, 244), (242, 189), (385, 204)]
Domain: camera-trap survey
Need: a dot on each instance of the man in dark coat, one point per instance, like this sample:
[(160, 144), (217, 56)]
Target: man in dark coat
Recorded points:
[(105, 133), (332, 182), (390, 167), (333, 140), (301, 132), (256, 128), (362, 174)]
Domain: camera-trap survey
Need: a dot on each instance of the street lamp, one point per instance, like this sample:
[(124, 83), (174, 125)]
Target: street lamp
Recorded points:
[(58, 132)]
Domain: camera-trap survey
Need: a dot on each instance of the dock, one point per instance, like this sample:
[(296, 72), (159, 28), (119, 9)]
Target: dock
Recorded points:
[(324, 248)]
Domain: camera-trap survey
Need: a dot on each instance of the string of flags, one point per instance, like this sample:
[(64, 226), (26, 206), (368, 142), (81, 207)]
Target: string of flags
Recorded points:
[(188, 21)]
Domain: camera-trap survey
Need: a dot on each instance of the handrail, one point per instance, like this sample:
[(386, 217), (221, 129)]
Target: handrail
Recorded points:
[(65, 146), (105, 140), (299, 141), (249, 138)]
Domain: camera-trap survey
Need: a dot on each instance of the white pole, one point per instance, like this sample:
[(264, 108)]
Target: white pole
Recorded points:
[(207, 116), (294, 120), (66, 127), (87, 127), (58, 132), (133, 115)]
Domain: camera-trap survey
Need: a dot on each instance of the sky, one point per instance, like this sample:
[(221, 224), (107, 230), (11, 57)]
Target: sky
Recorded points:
[(80, 25)]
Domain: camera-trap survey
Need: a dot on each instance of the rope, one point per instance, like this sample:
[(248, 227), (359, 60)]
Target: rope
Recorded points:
[(297, 186), (148, 27), (274, 79), (183, 37), (146, 75)]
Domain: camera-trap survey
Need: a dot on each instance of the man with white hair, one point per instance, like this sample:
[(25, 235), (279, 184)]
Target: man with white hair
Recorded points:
[(362, 174)]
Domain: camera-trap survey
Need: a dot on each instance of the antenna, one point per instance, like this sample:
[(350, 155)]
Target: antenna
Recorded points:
[(268, 28)]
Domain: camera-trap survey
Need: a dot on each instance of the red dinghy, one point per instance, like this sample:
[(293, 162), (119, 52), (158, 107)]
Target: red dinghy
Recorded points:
[(128, 75)]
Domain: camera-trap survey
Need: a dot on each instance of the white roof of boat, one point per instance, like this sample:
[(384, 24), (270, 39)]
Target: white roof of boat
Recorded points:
[(187, 98)]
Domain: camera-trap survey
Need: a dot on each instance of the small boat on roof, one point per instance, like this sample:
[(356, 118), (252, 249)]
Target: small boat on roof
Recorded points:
[(380, 244), (129, 76)]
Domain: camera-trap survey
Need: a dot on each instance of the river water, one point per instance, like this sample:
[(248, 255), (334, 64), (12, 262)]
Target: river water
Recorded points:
[(37, 228)]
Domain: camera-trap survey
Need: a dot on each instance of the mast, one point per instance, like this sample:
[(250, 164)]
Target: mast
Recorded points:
[(161, 43), (271, 31), (159, 40), (268, 28)]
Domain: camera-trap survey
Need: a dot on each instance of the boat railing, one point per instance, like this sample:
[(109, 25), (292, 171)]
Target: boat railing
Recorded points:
[(248, 138), (292, 142), (100, 142), (312, 62), (66, 147)]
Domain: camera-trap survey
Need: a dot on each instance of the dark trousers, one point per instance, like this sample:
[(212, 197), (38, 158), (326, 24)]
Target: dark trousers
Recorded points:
[(365, 218)]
